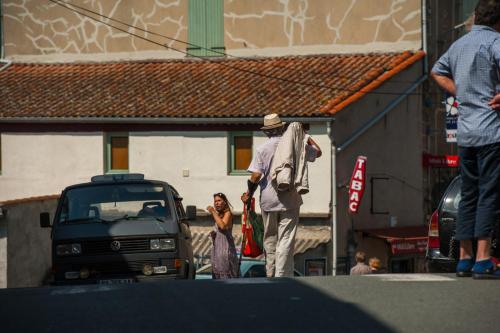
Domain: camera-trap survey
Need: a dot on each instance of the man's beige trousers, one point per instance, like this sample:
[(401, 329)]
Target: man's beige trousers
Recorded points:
[(279, 241)]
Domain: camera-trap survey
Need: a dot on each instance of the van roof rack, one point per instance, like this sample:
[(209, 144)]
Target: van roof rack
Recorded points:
[(117, 177)]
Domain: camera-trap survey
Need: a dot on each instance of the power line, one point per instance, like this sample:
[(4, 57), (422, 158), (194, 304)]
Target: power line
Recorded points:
[(184, 42), (65, 5)]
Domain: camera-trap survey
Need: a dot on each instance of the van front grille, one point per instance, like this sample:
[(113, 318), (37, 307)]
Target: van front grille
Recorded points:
[(110, 246)]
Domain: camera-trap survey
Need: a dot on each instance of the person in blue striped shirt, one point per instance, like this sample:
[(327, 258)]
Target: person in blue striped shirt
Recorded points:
[(470, 71)]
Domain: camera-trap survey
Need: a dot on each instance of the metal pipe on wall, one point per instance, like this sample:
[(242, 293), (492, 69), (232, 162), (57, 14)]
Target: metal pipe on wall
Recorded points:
[(424, 35), (379, 116), (2, 50), (333, 202)]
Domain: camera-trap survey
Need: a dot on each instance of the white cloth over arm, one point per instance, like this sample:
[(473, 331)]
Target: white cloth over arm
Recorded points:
[(289, 166)]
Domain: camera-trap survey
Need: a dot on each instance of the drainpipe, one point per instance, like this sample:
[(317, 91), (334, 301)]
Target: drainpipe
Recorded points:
[(424, 36), (379, 116), (2, 52), (333, 202)]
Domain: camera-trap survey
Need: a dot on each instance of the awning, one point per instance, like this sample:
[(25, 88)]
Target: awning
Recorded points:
[(307, 237), (403, 240)]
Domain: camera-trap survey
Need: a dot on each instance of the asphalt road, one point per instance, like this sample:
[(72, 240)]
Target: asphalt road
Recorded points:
[(377, 303)]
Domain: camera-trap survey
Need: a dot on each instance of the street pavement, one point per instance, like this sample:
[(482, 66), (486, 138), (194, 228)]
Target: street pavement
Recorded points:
[(376, 303)]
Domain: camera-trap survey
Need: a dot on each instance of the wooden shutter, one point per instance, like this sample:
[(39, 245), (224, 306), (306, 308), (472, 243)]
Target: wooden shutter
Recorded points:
[(242, 152), (119, 153), (215, 27), (197, 27), (205, 27)]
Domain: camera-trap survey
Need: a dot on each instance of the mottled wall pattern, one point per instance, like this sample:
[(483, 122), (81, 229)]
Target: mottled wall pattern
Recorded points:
[(40, 27), (287, 23)]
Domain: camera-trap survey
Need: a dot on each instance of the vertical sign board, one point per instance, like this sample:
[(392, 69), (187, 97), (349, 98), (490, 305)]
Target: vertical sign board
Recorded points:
[(451, 118), (357, 184)]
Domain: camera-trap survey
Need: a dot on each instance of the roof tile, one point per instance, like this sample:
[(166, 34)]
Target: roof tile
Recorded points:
[(194, 88)]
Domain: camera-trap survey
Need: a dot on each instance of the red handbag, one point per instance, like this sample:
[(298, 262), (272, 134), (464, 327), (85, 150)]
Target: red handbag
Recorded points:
[(252, 228)]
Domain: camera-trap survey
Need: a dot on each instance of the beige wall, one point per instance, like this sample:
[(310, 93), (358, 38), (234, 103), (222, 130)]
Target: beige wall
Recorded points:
[(29, 246), (164, 156), (298, 23), (41, 164), (42, 27), (393, 148), (3, 253), (252, 27)]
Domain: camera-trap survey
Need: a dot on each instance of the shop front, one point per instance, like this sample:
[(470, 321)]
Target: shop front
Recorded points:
[(401, 250)]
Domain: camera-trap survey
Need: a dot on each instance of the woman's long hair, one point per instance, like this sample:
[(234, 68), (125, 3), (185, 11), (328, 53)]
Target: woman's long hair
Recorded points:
[(224, 198)]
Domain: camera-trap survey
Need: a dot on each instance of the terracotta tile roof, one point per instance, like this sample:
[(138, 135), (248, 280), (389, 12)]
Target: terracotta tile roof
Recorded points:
[(194, 88)]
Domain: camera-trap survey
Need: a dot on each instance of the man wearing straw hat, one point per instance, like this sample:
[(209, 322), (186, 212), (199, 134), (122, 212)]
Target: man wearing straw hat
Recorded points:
[(280, 210)]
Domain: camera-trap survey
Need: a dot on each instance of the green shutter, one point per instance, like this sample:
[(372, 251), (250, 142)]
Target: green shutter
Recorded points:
[(196, 27), (215, 27), (206, 27)]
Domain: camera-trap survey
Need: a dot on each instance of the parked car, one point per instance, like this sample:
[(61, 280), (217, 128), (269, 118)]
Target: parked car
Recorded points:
[(249, 268), (442, 247), (120, 229)]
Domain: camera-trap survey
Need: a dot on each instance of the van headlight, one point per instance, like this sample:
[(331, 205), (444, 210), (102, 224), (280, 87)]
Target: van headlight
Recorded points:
[(162, 244), (68, 249)]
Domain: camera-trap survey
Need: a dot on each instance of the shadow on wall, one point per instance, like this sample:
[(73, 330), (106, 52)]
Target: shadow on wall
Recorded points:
[(28, 255)]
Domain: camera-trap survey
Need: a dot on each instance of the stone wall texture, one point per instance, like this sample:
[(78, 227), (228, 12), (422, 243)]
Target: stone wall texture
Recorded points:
[(41, 27)]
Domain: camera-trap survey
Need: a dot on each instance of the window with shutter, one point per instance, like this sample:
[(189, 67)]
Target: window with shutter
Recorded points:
[(240, 152), (206, 28), (117, 154)]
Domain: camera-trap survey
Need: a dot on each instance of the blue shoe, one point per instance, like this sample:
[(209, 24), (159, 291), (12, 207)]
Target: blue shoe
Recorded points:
[(485, 270), (464, 267)]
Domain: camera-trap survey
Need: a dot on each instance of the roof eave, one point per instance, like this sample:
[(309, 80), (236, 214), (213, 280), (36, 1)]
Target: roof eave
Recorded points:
[(166, 120)]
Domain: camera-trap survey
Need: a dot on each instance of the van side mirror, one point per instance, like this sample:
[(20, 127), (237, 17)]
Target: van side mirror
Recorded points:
[(45, 220), (191, 213)]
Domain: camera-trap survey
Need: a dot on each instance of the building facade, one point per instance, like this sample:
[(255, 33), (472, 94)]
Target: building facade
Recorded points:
[(177, 90)]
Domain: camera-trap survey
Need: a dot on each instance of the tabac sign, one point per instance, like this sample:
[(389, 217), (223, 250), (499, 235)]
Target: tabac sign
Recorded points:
[(357, 184)]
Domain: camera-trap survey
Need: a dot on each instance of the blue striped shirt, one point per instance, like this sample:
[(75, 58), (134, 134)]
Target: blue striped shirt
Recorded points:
[(473, 63)]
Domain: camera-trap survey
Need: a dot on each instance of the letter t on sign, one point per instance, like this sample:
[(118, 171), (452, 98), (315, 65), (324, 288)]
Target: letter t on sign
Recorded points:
[(357, 184)]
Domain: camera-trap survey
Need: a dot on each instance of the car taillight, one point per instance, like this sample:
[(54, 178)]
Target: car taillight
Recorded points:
[(433, 241)]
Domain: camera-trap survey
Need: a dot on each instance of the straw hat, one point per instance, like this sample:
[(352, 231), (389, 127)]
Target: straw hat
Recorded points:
[(272, 121)]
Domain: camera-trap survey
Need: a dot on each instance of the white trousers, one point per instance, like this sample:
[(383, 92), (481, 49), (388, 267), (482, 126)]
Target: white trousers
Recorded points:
[(279, 240)]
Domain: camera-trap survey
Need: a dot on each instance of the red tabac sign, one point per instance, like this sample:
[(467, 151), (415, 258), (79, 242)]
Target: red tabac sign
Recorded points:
[(440, 161), (408, 246), (357, 184)]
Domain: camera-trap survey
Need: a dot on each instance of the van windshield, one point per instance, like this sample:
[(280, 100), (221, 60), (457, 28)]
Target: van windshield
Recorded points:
[(115, 202)]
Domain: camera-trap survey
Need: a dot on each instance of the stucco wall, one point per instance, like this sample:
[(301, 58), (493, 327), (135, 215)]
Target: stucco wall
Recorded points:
[(252, 27), (3, 253), (29, 246), (393, 147), (164, 156), (41, 164), (42, 27), (297, 23)]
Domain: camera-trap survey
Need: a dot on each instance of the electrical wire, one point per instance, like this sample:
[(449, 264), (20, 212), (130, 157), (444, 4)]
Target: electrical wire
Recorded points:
[(184, 42), (267, 76)]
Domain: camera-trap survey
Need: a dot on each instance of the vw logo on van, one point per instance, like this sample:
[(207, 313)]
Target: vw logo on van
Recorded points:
[(115, 245)]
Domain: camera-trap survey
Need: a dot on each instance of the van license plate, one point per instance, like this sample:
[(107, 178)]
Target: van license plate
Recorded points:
[(116, 281)]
